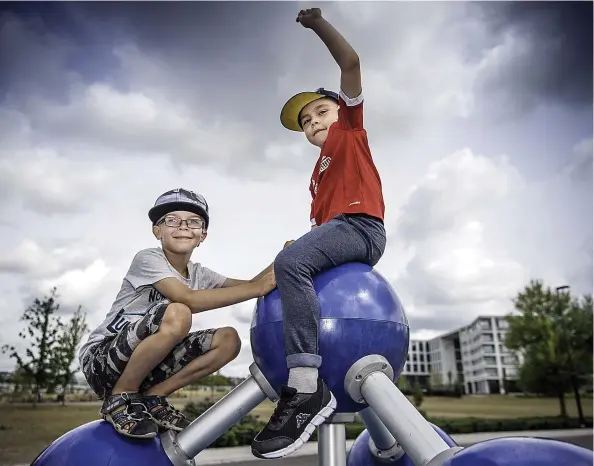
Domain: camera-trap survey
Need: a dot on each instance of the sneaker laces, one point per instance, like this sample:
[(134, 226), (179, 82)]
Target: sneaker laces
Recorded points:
[(283, 406)]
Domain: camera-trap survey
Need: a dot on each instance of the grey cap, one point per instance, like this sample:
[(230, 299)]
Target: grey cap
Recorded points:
[(179, 199)]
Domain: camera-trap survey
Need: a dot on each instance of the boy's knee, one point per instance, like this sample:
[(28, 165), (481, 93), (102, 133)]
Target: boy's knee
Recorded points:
[(228, 338), (177, 320), (284, 261)]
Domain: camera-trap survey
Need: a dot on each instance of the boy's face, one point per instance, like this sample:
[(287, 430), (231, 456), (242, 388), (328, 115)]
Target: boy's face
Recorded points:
[(316, 119), (180, 232)]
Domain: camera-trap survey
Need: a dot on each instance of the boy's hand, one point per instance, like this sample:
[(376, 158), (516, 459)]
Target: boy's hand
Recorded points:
[(308, 17), (288, 243), (266, 284)]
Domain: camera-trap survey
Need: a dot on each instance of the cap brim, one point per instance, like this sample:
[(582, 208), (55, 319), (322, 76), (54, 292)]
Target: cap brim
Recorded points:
[(290, 112), (159, 211)]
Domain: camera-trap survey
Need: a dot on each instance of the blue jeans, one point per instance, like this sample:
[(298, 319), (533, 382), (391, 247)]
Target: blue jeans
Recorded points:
[(345, 238)]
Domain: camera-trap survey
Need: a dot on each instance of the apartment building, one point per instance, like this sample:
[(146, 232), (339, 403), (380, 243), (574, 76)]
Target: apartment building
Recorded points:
[(488, 366), (417, 367), (474, 356), (446, 362)]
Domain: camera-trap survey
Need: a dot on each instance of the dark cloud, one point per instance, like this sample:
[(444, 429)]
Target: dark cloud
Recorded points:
[(555, 62)]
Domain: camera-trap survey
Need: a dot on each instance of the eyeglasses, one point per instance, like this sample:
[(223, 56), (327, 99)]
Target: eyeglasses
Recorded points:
[(193, 223)]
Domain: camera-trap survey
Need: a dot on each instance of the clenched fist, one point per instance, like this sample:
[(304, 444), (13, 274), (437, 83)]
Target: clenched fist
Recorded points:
[(307, 18)]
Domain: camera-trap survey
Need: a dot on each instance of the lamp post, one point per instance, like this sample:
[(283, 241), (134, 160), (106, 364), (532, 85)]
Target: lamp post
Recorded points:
[(572, 375)]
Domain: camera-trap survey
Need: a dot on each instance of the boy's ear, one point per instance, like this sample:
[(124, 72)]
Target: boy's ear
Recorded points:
[(202, 238), (157, 232)]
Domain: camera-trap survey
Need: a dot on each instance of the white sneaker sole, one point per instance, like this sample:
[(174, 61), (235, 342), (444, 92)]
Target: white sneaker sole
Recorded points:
[(318, 420)]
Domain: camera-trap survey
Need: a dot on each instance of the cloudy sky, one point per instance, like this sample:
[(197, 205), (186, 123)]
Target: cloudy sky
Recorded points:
[(479, 117)]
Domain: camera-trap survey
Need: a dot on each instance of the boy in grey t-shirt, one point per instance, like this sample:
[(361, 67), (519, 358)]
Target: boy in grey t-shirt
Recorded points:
[(143, 350)]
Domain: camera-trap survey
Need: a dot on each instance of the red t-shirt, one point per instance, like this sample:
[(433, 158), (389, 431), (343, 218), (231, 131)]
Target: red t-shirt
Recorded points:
[(345, 179)]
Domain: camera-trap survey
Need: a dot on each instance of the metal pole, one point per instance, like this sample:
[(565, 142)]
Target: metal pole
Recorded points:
[(215, 421), (417, 437), (381, 436), (181, 448), (332, 445)]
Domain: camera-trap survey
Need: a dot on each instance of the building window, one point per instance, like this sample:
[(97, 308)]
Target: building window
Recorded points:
[(488, 348), (484, 324), (414, 346)]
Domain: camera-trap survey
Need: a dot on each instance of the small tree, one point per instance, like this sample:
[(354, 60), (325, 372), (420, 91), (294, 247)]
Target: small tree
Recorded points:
[(417, 394), (41, 334), (402, 384), (65, 354)]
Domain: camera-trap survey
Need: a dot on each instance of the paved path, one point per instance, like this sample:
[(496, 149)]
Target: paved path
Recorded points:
[(307, 455)]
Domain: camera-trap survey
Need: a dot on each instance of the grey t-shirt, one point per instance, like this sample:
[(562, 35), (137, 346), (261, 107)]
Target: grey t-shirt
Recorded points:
[(137, 294)]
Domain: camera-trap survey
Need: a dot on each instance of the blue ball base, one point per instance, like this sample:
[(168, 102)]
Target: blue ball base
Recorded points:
[(359, 454), (522, 451), (360, 315), (98, 444)]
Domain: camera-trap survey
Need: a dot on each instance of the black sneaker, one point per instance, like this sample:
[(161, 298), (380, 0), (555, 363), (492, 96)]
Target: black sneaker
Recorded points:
[(127, 413), (294, 421), (165, 415)]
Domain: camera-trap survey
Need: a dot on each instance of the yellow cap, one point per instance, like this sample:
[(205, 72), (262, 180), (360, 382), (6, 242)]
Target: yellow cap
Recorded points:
[(292, 109)]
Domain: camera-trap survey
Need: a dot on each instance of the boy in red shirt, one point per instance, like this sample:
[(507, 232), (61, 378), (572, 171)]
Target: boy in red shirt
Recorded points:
[(347, 213)]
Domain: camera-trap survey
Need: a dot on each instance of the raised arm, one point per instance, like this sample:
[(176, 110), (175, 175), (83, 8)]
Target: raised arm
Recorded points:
[(344, 55)]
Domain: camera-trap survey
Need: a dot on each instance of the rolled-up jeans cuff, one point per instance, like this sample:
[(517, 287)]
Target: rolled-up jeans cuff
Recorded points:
[(304, 360)]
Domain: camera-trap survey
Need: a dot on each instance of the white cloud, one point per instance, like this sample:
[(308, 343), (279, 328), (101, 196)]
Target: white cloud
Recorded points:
[(455, 270), (45, 182), (33, 260), (79, 285)]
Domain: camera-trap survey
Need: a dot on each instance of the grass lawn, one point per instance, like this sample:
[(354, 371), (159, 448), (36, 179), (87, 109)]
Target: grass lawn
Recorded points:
[(25, 431)]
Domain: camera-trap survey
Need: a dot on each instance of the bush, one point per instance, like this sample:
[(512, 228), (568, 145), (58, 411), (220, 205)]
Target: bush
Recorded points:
[(475, 425), (243, 432)]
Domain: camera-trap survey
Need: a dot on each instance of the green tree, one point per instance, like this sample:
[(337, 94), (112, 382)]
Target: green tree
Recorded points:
[(539, 375), (41, 334), (64, 356), (548, 334)]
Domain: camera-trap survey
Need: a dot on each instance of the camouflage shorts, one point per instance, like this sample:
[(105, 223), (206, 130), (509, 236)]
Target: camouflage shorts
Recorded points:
[(105, 362)]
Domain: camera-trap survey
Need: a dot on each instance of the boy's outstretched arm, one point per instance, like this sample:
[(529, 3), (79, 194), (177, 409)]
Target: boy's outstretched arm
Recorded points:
[(230, 282), (205, 300), (345, 56)]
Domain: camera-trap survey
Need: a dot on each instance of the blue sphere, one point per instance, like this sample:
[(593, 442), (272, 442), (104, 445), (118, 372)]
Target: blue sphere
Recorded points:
[(522, 451), (98, 444), (359, 454), (360, 315)]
